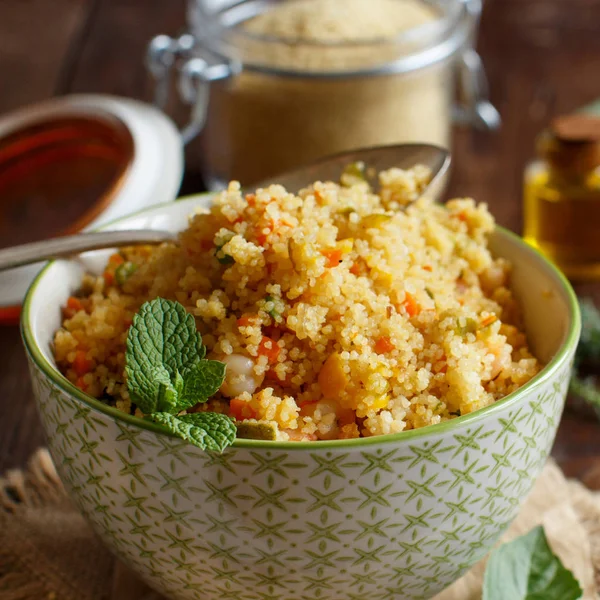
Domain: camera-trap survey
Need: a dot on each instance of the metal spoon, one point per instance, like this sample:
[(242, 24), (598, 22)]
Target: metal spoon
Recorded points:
[(375, 159), (330, 168)]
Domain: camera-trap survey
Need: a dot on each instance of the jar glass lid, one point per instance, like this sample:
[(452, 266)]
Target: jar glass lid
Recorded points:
[(333, 37)]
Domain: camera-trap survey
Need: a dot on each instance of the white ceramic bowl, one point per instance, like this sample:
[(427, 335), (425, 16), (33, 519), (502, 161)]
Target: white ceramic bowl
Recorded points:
[(397, 516)]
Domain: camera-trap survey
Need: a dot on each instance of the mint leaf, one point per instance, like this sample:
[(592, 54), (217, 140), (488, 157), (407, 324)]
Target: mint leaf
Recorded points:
[(167, 373), (200, 383), (162, 345), (527, 569), (207, 430)]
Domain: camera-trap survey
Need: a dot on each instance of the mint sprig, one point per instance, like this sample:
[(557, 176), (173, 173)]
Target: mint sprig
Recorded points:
[(207, 430), (527, 569), (167, 374)]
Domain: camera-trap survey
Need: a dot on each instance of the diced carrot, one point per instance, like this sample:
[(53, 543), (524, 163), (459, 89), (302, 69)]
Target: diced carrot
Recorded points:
[(270, 349), (444, 366), (427, 268), (272, 331), (384, 345), (206, 245), (74, 303), (81, 364), (261, 237), (109, 277), (271, 375), (411, 306), (240, 410), (333, 257), (306, 403), (81, 384), (251, 199), (489, 320), (461, 216), (115, 259), (346, 416), (246, 320), (355, 269)]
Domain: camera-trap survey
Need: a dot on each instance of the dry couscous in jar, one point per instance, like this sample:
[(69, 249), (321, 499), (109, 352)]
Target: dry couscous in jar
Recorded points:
[(278, 84)]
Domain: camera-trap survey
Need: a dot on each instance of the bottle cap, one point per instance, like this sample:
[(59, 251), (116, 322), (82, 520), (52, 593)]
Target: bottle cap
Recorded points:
[(572, 143)]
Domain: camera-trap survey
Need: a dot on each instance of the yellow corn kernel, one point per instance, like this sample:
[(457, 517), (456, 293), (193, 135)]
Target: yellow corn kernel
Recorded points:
[(381, 402), (382, 277), (332, 378), (345, 245), (375, 221)]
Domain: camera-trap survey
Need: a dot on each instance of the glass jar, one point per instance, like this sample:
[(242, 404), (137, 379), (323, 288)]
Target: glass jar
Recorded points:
[(264, 104)]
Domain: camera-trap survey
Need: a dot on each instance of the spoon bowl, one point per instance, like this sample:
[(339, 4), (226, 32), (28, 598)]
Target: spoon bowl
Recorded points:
[(403, 156), (375, 159)]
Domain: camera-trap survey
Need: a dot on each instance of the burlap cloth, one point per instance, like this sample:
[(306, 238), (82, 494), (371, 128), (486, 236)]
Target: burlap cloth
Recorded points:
[(48, 552)]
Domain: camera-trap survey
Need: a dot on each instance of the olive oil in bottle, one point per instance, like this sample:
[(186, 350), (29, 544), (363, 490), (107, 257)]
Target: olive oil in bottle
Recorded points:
[(562, 196)]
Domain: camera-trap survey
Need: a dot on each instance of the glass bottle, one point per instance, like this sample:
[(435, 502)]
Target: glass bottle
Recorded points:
[(562, 196)]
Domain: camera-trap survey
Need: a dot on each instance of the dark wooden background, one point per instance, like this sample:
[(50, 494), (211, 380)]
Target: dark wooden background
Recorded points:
[(542, 58)]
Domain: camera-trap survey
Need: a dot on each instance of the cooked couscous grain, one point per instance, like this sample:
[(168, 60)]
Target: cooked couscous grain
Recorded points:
[(338, 312)]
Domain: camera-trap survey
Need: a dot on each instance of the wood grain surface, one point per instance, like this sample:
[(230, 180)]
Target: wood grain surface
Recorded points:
[(542, 58)]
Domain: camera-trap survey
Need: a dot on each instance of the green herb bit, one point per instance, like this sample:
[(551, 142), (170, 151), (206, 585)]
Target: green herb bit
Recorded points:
[(466, 325), (256, 430), (429, 292), (166, 369), (527, 569), (348, 210), (374, 221), (273, 312), (356, 170), (222, 257), (124, 272)]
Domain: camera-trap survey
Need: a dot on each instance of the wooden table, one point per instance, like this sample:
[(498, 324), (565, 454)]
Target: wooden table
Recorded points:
[(542, 58)]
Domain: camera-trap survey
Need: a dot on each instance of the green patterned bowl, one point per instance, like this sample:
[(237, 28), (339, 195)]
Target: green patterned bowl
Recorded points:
[(397, 516)]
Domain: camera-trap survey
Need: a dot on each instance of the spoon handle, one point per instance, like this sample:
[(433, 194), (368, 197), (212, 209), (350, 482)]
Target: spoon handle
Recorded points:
[(26, 254)]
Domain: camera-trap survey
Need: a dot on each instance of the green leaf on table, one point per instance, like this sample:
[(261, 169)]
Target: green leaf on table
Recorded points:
[(588, 350), (527, 569), (584, 382), (207, 430)]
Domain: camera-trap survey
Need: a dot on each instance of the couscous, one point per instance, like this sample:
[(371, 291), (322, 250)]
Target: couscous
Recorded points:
[(339, 312)]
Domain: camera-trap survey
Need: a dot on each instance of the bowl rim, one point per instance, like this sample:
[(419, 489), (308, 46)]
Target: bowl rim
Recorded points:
[(549, 371)]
